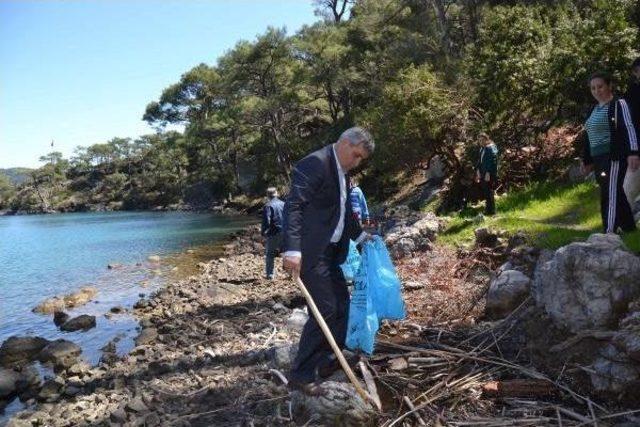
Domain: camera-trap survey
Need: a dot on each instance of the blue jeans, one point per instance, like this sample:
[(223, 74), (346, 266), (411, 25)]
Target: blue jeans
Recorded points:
[(273, 247)]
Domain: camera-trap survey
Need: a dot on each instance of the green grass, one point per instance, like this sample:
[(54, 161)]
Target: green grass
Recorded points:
[(550, 214)]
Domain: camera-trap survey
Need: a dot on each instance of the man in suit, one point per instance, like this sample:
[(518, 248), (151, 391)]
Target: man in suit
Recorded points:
[(319, 223)]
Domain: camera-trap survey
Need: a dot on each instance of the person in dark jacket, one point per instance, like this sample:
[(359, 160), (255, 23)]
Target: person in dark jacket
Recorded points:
[(319, 223), (632, 96), (487, 171), (610, 146), (272, 222)]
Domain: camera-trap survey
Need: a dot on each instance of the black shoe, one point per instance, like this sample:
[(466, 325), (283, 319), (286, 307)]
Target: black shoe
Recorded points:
[(325, 370)]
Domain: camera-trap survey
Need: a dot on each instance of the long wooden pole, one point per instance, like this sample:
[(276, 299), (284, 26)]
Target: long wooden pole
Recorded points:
[(329, 336)]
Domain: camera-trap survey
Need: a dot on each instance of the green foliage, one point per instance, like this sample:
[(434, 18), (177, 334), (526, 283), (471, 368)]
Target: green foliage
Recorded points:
[(551, 215), (531, 63), (7, 190), (419, 116)]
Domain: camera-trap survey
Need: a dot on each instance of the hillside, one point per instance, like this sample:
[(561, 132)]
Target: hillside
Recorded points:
[(17, 176)]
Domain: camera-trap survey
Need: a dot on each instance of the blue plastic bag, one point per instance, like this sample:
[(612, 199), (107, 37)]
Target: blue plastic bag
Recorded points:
[(352, 264), (386, 293), (363, 322)]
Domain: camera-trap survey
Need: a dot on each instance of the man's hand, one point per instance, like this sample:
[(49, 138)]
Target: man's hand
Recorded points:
[(292, 264), (477, 176), (634, 162), (487, 177), (586, 169)]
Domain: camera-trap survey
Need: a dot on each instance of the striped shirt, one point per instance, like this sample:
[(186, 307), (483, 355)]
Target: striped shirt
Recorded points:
[(597, 127)]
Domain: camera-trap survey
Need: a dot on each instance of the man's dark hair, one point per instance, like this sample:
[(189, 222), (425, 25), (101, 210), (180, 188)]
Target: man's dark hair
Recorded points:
[(601, 75), (635, 63)]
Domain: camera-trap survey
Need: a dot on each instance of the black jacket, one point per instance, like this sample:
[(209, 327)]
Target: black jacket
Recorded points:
[(624, 141), (312, 209), (633, 99), (272, 217)]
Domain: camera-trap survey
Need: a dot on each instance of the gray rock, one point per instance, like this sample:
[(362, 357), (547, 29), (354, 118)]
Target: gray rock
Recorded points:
[(118, 416), (486, 237), (61, 353), (60, 317), (412, 286), (613, 371), (282, 356), (297, 319), (279, 308), (72, 391), (50, 391), (21, 350), (587, 285), (402, 248), (136, 405), (83, 322), (8, 383), (118, 309), (506, 292), (79, 369), (147, 336), (337, 404)]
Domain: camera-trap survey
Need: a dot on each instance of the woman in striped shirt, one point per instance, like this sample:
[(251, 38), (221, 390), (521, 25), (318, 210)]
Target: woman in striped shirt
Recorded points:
[(610, 147)]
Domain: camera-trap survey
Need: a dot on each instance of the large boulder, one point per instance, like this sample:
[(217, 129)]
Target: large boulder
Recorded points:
[(83, 322), (61, 353), (506, 292), (21, 350), (587, 285)]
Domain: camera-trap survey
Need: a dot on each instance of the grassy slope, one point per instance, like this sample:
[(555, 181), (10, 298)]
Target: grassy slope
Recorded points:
[(550, 214)]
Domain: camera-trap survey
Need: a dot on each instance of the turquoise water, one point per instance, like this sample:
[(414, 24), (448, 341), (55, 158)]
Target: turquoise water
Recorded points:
[(46, 255)]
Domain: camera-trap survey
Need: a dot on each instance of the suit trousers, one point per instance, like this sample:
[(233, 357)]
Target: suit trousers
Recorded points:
[(327, 286), (614, 205)]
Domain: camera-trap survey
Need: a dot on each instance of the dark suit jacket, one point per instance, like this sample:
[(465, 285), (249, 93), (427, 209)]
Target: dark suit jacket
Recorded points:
[(312, 209)]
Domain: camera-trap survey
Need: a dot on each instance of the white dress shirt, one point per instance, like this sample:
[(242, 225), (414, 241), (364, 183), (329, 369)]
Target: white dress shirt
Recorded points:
[(337, 233)]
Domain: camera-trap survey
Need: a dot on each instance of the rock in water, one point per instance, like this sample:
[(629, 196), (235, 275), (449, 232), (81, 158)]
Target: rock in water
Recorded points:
[(21, 350), (506, 292), (60, 317), (84, 322), (337, 405), (51, 305), (61, 353), (587, 285)]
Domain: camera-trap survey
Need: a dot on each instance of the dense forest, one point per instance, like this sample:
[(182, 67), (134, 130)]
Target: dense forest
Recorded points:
[(426, 76)]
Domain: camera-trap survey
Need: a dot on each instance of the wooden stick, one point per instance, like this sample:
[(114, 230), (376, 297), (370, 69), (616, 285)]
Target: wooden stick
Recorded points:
[(371, 384), (413, 408), (332, 342)]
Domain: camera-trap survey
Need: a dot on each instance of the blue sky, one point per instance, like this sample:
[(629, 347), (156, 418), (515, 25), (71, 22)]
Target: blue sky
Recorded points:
[(81, 72)]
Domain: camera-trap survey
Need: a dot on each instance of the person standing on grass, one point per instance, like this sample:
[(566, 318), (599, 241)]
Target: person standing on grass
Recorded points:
[(632, 178), (487, 171), (271, 229), (358, 203), (609, 147)]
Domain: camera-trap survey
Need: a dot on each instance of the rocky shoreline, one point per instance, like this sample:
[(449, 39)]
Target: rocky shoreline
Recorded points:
[(213, 347)]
